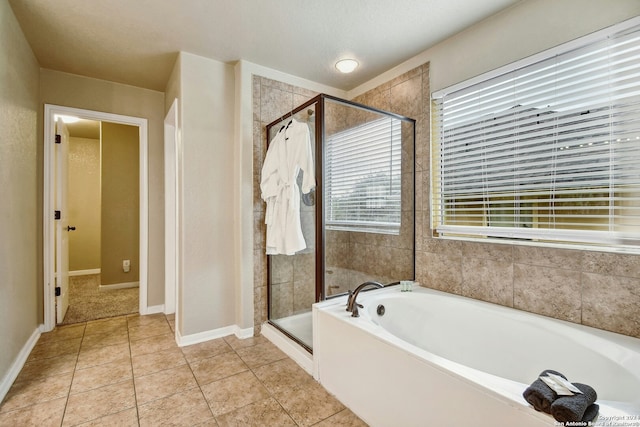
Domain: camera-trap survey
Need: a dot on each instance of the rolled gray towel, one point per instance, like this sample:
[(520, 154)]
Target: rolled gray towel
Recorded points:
[(591, 413), (573, 408), (539, 394)]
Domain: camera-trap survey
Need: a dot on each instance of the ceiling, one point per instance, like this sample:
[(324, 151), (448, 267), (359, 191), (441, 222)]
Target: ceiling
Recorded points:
[(84, 129), (136, 41)]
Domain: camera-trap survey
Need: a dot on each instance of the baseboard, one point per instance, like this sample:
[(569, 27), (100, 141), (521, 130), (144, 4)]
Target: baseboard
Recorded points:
[(113, 286), (154, 309), (244, 333), (84, 272), (17, 365), (213, 334), (299, 355)]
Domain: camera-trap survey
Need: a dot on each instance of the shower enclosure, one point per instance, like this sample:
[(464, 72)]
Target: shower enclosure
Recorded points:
[(358, 223)]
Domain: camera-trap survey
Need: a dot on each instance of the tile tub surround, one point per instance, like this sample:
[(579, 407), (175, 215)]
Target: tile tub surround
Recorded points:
[(598, 289), (129, 371)]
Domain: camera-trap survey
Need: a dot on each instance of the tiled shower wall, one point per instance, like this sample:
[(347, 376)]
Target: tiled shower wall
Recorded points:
[(598, 289), (294, 275)]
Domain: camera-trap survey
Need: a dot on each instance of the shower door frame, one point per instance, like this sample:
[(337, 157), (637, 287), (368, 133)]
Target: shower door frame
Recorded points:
[(319, 101), (319, 209)]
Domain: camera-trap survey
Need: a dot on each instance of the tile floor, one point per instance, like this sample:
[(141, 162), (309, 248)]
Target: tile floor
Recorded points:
[(128, 371)]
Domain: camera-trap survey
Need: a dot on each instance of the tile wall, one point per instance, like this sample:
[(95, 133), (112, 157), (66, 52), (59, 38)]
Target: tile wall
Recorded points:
[(294, 276), (598, 289)]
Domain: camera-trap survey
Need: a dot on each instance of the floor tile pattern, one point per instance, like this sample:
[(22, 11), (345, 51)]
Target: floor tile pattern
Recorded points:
[(128, 371)]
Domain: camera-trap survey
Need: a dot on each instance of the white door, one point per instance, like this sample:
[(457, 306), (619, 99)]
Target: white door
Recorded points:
[(62, 224)]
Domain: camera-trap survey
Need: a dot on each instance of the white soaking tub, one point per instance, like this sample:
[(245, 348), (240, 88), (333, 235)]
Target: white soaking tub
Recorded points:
[(436, 359)]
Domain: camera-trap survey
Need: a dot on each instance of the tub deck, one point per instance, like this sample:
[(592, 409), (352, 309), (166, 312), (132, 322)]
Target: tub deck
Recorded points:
[(388, 380)]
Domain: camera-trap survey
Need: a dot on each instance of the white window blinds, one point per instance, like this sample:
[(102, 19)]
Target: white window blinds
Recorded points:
[(363, 177), (549, 150)]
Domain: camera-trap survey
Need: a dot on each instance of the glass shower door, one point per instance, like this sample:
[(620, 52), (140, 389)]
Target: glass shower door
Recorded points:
[(292, 278)]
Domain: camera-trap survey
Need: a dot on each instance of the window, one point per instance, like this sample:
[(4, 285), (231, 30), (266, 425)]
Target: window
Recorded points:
[(363, 177), (547, 149)]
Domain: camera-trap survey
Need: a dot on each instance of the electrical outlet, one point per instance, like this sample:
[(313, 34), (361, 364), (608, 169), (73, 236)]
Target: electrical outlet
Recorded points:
[(126, 265)]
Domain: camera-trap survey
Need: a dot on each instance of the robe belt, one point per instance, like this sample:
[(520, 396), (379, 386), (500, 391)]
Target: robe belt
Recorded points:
[(287, 191)]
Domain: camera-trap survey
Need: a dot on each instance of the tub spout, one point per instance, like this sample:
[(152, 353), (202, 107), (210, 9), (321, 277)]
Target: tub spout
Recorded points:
[(352, 305)]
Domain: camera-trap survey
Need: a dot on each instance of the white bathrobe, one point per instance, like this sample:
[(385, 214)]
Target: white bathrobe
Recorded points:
[(289, 152)]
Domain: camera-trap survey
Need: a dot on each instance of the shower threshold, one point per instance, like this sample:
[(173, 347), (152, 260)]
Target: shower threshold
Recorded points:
[(298, 326)]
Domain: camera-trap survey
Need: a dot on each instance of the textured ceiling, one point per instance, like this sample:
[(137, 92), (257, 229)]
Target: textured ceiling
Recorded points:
[(136, 41)]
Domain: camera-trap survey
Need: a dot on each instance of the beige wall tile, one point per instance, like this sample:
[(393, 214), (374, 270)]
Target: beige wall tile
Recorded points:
[(551, 292), (403, 97), (611, 303), (487, 251), (548, 257), (488, 280), (439, 271), (612, 264)]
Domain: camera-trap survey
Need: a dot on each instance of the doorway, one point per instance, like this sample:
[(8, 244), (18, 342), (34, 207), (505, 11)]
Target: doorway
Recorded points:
[(135, 127), (103, 211)]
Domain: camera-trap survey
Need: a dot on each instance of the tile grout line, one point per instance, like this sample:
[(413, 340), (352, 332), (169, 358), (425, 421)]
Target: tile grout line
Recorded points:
[(73, 374), (255, 354), (133, 375), (199, 387)]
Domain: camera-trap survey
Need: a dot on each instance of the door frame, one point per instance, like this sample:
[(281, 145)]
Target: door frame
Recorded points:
[(48, 245), (171, 198)]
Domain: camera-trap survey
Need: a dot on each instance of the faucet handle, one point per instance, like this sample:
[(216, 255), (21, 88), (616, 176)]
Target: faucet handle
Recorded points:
[(354, 312), (349, 300)]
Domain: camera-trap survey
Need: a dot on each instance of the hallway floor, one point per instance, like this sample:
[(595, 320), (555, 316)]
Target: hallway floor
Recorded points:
[(88, 302), (128, 371)]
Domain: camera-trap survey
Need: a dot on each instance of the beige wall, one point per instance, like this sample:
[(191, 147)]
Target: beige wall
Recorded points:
[(98, 95), (207, 215), (20, 203), (84, 203), (173, 91), (524, 29), (120, 196)]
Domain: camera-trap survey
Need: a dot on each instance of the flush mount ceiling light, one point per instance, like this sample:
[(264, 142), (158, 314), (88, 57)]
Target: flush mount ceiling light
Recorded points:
[(346, 65)]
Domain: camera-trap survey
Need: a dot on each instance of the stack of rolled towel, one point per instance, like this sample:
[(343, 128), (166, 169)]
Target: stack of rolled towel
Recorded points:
[(580, 406)]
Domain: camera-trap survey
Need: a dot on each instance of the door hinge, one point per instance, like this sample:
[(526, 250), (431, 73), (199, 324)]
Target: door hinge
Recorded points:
[(56, 214), (58, 139), (57, 291)]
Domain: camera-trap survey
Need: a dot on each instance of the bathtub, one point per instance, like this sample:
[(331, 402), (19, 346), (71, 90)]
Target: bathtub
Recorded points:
[(436, 359)]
